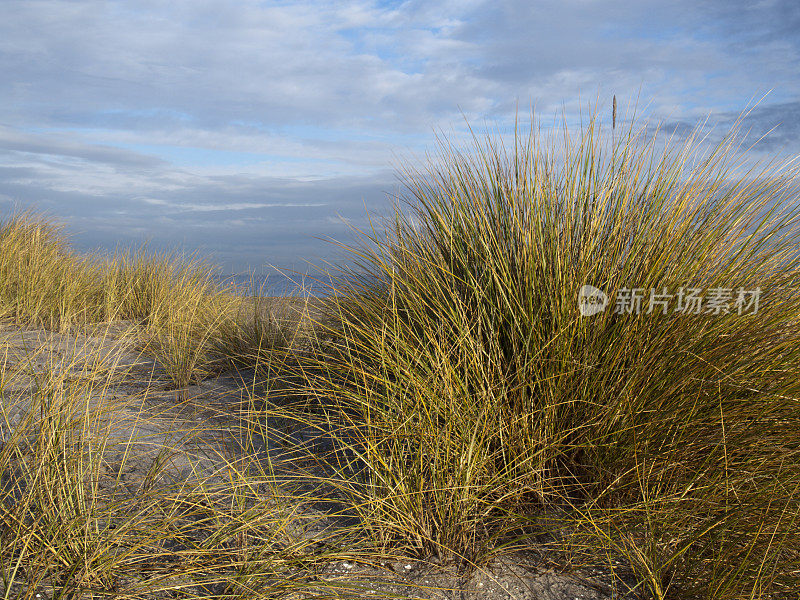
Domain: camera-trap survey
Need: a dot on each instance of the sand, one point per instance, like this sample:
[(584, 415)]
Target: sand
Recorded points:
[(201, 428)]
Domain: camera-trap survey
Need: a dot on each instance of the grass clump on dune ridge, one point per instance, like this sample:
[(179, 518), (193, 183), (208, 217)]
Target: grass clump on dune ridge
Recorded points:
[(192, 324), (490, 406), (41, 281), (91, 504)]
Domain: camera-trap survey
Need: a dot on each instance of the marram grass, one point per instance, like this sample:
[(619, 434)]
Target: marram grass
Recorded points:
[(490, 408), (480, 412), (72, 526), (192, 324)]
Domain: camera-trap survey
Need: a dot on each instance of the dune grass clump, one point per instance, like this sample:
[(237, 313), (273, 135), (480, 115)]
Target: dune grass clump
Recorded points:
[(259, 334), (488, 405), (42, 282), (192, 324), (151, 286), (88, 511), (85, 513)]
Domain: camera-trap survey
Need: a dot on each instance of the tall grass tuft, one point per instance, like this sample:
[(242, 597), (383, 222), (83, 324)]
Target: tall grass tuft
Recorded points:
[(487, 405), (192, 324), (41, 281), (89, 510)]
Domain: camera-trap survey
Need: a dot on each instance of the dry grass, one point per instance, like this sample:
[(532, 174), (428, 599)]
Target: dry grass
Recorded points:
[(189, 322), (70, 526), (490, 409), (478, 412), (73, 524)]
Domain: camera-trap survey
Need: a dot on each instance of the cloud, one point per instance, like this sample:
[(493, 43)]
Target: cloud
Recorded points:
[(63, 146), (762, 130), (235, 222), (366, 67), (249, 130), (193, 207)]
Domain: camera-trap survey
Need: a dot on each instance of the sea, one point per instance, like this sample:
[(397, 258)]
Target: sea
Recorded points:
[(280, 283)]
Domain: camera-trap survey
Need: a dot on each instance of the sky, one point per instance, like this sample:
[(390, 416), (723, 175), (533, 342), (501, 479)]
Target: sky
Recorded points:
[(265, 133)]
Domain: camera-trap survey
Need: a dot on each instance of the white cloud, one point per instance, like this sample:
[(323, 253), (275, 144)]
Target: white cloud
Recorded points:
[(224, 207), (206, 107)]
